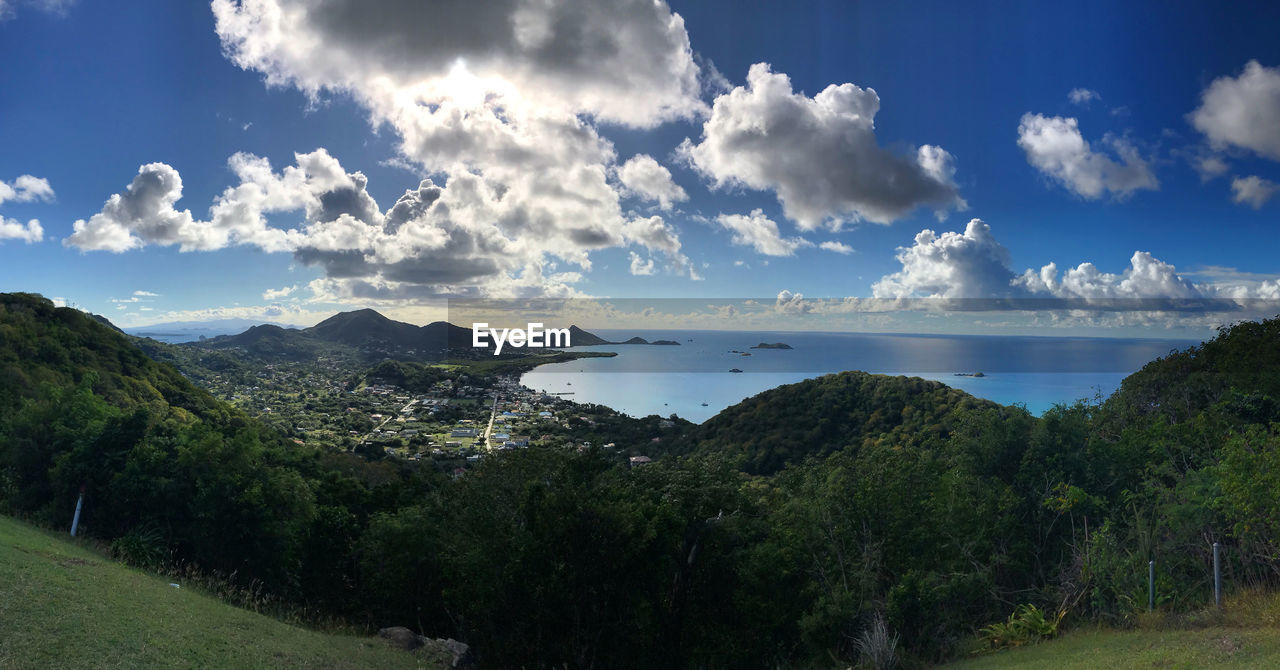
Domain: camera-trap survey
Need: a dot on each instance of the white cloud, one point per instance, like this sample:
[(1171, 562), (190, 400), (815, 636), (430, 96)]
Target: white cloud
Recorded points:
[(625, 61), (1146, 277), (1083, 96), (759, 231), (819, 155), (1253, 190), (971, 264), (655, 234), (1243, 111), (278, 293), (791, 303), (974, 265), (640, 266), (12, 229), (9, 8), (26, 189), (146, 294), (144, 213), (472, 238), (502, 98), (838, 247), (645, 177), (1055, 146), (1210, 167)]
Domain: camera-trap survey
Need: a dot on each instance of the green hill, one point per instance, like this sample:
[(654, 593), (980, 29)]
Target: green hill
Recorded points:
[(65, 606), (817, 417)]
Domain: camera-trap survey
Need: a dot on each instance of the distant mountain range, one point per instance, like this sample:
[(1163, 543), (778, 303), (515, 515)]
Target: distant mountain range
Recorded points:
[(581, 338), (193, 330), (365, 333)]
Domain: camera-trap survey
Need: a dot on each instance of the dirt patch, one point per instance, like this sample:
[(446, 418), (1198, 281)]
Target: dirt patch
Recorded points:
[(1228, 645)]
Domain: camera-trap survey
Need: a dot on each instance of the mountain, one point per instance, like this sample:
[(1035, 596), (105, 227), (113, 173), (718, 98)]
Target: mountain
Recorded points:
[(362, 333), (271, 343), (43, 346), (180, 331), (365, 327), (444, 336), (581, 338)]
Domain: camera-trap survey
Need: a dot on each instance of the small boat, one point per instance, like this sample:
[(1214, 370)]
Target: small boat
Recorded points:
[(704, 404), (735, 370)]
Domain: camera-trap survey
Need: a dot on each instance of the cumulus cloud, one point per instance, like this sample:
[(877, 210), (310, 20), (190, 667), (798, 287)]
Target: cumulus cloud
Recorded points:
[(1082, 96), (143, 214), (640, 266), (146, 294), (791, 303), (625, 61), (838, 247), (1253, 190), (1146, 277), (759, 231), (12, 229), (278, 293), (1243, 111), (819, 155), (974, 266), (971, 264), (502, 98), (1055, 146), (655, 234), (645, 177), (472, 237), (26, 189)]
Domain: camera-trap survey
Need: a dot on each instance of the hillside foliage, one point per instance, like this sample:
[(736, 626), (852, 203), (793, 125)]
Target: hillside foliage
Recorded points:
[(777, 534)]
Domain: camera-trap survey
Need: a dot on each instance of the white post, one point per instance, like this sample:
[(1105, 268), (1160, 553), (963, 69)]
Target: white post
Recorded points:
[(75, 520), (1217, 576)]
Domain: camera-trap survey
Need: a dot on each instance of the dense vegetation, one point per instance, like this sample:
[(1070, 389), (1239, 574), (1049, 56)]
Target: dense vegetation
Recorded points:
[(775, 534)]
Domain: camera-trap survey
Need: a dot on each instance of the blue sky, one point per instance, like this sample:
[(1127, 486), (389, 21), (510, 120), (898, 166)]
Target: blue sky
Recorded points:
[(1183, 153)]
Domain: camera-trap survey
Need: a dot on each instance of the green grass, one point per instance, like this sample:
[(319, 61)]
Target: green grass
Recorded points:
[(1245, 635), (63, 605)]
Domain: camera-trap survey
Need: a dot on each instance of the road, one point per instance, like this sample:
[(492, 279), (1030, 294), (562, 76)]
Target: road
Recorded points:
[(492, 415), (389, 417)]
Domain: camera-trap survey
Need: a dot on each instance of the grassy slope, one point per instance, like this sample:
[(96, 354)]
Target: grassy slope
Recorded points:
[(1214, 647), (62, 605), (1245, 635)]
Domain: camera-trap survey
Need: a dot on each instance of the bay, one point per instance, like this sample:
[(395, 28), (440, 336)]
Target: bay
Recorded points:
[(693, 379)]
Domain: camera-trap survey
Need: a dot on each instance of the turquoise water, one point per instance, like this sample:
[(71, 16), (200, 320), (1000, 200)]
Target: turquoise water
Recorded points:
[(1037, 372)]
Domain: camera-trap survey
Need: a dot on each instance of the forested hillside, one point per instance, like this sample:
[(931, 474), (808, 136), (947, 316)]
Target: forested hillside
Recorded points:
[(777, 534), (820, 416)]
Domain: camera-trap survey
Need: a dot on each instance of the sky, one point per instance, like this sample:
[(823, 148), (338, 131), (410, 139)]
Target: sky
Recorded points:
[(280, 160)]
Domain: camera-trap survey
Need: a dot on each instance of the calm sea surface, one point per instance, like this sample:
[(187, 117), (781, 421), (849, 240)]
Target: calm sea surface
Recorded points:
[(693, 379)]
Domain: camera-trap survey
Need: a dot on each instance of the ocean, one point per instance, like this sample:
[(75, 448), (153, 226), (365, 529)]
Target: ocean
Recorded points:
[(693, 380)]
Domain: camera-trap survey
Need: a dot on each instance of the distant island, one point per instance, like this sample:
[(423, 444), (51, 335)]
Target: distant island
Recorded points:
[(774, 345), (581, 338), (970, 374)]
